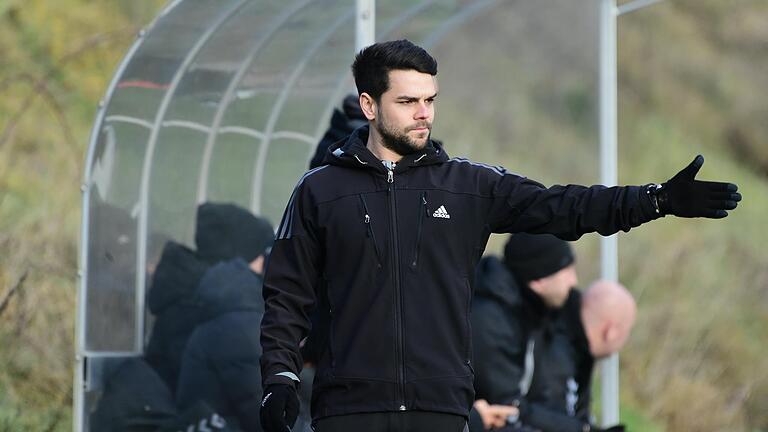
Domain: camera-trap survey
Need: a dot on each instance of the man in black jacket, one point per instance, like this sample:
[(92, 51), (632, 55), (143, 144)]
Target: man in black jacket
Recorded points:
[(515, 302), (531, 344), (395, 228)]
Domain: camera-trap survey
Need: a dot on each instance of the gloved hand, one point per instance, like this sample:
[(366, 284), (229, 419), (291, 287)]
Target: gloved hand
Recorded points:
[(279, 408), (684, 196), (616, 428)]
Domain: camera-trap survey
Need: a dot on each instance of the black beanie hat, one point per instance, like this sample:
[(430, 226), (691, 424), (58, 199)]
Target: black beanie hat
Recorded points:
[(226, 231), (534, 256)]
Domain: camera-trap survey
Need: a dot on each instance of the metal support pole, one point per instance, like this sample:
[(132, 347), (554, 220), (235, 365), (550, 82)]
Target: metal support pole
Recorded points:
[(365, 24), (609, 177)]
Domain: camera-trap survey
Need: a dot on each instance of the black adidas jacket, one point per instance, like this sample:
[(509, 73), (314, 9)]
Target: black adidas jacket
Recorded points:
[(397, 250)]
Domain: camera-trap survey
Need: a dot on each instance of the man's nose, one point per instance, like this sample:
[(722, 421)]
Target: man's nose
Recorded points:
[(422, 112)]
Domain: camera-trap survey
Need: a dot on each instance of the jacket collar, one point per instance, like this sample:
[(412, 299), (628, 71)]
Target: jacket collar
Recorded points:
[(353, 153)]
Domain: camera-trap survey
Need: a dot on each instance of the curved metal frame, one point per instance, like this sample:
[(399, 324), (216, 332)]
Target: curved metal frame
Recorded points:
[(258, 174), (128, 119), (226, 99), (79, 389)]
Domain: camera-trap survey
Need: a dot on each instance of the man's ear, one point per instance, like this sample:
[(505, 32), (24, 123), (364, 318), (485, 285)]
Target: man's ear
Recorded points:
[(368, 105), (537, 286), (611, 334)]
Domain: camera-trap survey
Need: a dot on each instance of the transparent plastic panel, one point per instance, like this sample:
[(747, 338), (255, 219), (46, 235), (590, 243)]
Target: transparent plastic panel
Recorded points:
[(287, 161), (110, 308), (111, 297), (237, 142), (173, 184), (302, 62), (205, 83), (231, 165)]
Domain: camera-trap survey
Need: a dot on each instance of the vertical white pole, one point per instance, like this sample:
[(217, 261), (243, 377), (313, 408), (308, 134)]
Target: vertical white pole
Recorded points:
[(609, 177), (365, 24)]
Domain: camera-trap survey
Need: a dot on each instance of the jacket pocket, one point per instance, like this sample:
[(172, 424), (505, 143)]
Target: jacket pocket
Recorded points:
[(369, 230), (423, 212)]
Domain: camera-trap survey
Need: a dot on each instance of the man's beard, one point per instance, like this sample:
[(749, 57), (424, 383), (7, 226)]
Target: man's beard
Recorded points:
[(398, 142)]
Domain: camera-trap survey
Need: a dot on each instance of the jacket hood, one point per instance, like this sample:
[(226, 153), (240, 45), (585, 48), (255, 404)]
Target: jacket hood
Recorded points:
[(493, 280), (230, 286), (353, 153), (175, 278)]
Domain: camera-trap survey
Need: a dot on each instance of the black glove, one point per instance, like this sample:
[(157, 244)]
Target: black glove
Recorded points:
[(684, 196), (617, 428), (279, 408)]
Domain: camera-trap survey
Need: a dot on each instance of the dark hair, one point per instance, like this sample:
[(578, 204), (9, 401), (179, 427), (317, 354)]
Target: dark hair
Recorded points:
[(372, 65)]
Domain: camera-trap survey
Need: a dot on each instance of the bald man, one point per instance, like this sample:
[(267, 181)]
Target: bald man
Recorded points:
[(536, 338), (607, 313), (591, 325)]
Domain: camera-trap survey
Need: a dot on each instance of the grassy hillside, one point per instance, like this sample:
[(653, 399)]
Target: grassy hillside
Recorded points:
[(692, 74)]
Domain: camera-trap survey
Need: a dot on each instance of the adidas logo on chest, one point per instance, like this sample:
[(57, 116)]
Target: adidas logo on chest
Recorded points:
[(441, 213)]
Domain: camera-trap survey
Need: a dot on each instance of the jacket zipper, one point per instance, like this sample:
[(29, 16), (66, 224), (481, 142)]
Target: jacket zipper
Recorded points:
[(367, 221), (398, 294), (424, 212)]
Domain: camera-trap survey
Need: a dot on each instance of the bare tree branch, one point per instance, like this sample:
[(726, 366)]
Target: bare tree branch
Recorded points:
[(13, 290), (41, 84), (53, 103)]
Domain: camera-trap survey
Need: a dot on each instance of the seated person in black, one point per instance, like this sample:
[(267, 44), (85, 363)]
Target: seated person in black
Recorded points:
[(590, 326), (519, 310), (175, 311), (220, 365)]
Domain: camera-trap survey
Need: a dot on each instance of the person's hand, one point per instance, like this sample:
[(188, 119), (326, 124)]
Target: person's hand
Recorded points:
[(279, 408), (684, 196), (494, 416)]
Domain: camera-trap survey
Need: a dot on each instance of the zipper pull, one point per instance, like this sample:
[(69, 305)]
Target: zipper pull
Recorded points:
[(367, 219), (390, 170)]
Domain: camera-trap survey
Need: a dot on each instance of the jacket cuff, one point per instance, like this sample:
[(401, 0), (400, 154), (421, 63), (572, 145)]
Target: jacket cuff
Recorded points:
[(286, 378), (647, 208), (475, 421)]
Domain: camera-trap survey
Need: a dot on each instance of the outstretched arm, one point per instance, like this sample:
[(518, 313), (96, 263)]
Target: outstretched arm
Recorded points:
[(523, 205)]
